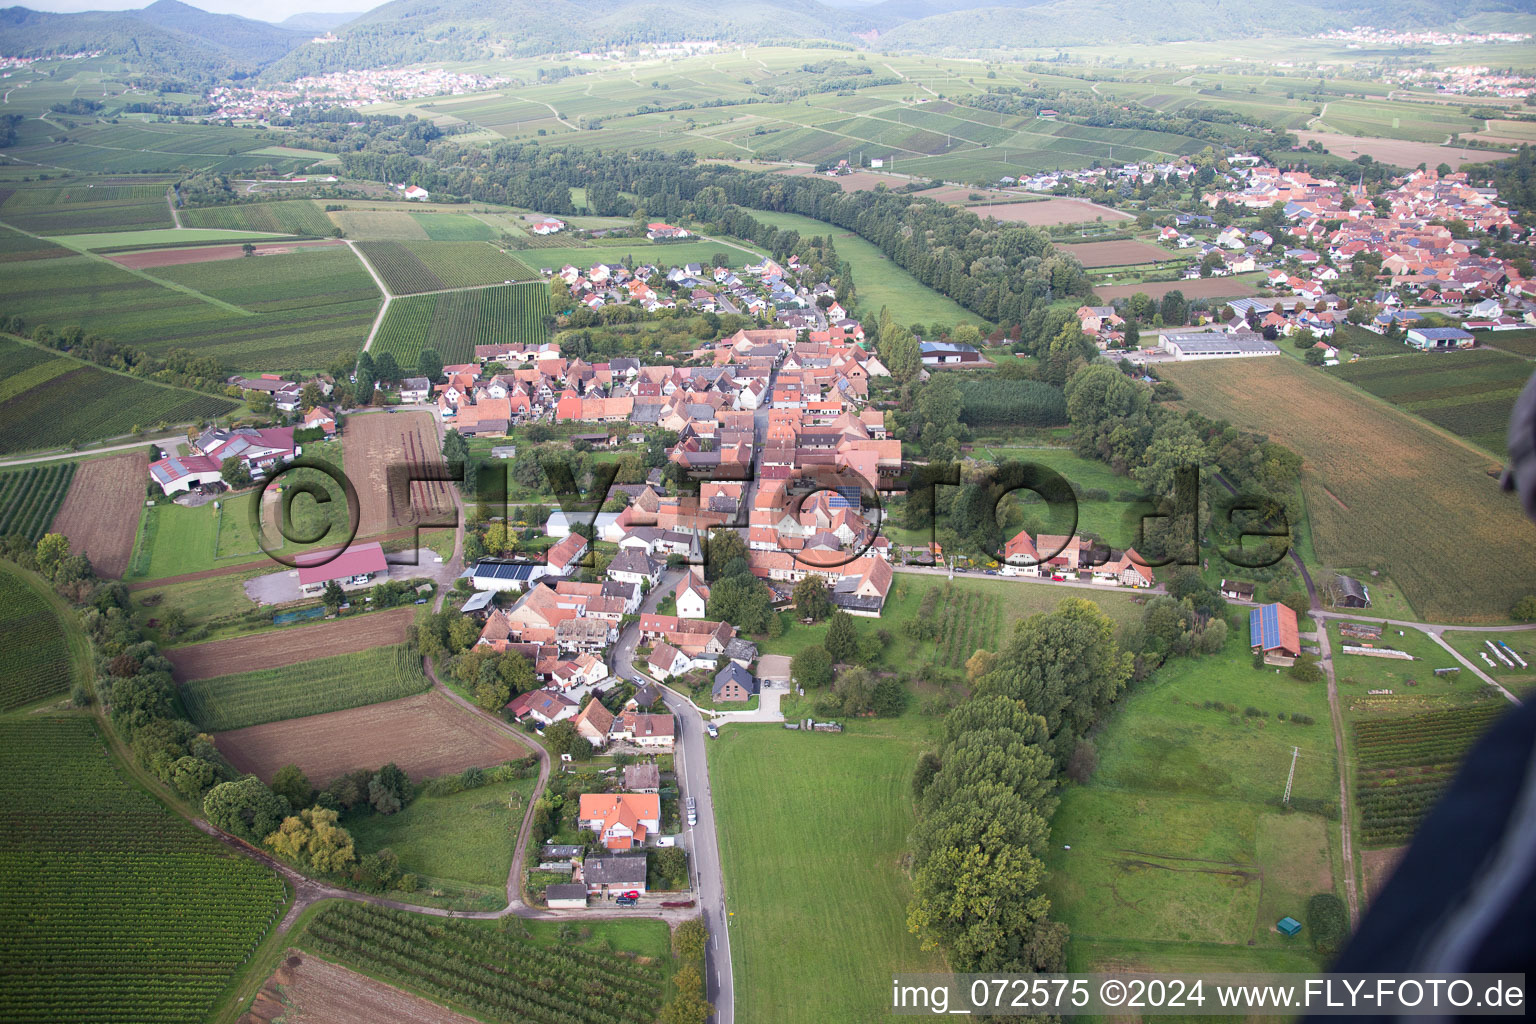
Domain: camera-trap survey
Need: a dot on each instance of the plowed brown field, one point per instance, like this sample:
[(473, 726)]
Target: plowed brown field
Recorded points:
[(307, 990), (426, 735), (1050, 211), (101, 512), (378, 441), (206, 254), (290, 646)]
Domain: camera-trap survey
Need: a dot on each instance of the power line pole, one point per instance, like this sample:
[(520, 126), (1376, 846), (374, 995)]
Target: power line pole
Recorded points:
[(1295, 752)]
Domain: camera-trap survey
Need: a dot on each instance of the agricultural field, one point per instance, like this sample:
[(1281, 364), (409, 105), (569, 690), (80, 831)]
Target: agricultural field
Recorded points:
[(1371, 684), (285, 217), (555, 252), (100, 860), (1468, 393), (453, 323), (1048, 212), (1123, 253), (409, 267), (1405, 763), (496, 973), (147, 259), (274, 313), (460, 845), (30, 498), (141, 147), (16, 246), (1205, 288), (336, 683), (877, 282), (86, 206), (308, 990), (453, 227), (100, 515), (262, 652), (37, 650), (1200, 862), (1521, 342), (378, 225), (1367, 469), (797, 893), (1514, 677), (379, 441), (425, 735), (52, 401), (1401, 152)]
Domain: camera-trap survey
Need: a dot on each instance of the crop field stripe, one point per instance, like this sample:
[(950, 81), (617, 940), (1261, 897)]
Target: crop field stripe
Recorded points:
[(496, 974), (453, 323), (36, 647), (308, 688), (30, 498), (1404, 765), (129, 912)]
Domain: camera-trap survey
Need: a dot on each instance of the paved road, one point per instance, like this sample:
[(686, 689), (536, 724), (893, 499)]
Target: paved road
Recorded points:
[(142, 442), (701, 841)]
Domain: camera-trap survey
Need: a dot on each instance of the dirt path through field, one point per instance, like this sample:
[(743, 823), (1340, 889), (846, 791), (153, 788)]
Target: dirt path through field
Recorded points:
[(308, 990)]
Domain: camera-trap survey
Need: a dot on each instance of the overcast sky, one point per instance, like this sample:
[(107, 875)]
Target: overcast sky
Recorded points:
[(267, 10)]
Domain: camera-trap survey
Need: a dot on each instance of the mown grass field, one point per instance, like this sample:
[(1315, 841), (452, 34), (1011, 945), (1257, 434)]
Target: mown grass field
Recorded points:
[(1368, 469), (460, 844), (52, 401), (100, 859), (1468, 393), (311, 688), (812, 866), (1181, 855), (455, 322), (280, 312)]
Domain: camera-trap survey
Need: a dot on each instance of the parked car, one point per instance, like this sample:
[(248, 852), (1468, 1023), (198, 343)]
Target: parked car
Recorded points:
[(693, 811), (713, 732), (1059, 578), (633, 894), (625, 901)]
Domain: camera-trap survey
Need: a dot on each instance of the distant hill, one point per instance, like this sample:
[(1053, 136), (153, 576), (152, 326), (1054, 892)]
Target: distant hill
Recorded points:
[(166, 36), (961, 26), (315, 21)]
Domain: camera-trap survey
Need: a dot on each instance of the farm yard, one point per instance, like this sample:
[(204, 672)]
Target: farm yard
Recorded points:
[(308, 990), (379, 442), (51, 401), (30, 498), (497, 973), (409, 267), (798, 892), (1468, 393), (100, 515), (1200, 861), (259, 652), (100, 860), (453, 323), (286, 217), (37, 651), (425, 735), (1367, 469), (1404, 763), (368, 676)]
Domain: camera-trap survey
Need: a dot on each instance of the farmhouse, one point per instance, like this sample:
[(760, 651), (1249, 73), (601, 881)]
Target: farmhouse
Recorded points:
[(1350, 592), (543, 706), (259, 448), (666, 660), (621, 820), (946, 353), (415, 389), (734, 684), (565, 557), (1439, 337), (593, 723), (358, 566), (632, 565), (1237, 590), (1216, 345), (177, 473), (653, 731), (502, 576), (658, 230), (620, 874), (1272, 632)]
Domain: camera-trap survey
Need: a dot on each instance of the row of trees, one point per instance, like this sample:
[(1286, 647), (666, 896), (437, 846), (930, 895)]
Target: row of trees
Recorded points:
[(985, 798)]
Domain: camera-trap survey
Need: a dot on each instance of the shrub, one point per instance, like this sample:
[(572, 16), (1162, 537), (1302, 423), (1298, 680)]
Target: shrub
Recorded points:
[(1327, 922)]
